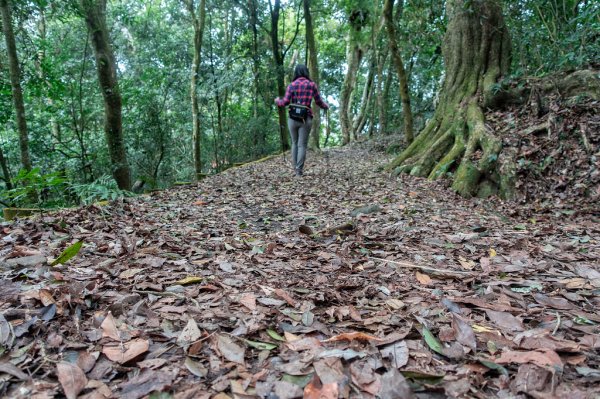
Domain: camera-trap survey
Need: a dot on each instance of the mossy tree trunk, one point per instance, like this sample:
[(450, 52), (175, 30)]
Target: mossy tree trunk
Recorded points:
[(198, 16), (278, 56), (388, 15), (476, 52), (354, 57), (313, 67), (94, 12), (15, 81)]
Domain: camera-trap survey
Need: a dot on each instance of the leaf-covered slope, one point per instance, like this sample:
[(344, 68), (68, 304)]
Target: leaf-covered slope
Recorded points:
[(345, 283)]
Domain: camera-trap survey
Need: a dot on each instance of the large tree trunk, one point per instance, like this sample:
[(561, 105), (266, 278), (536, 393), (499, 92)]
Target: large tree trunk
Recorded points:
[(15, 81), (198, 19), (313, 68), (278, 60), (95, 17), (388, 11), (476, 52)]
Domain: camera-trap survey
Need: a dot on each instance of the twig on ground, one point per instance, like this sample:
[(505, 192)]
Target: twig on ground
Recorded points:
[(176, 295), (427, 269)]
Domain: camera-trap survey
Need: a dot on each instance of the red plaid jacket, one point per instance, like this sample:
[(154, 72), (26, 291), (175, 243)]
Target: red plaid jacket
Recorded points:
[(302, 91)]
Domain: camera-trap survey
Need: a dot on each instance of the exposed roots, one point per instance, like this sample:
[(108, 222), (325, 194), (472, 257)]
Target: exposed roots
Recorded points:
[(459, 145)]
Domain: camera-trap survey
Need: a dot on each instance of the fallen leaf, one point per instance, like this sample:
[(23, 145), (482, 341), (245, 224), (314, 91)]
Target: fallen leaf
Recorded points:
[(146, 382), (423, 278), (189, 280), (71, 378), (109, 328), (127, 351), (531, 379), (46, 297), (457, 389), (432, 341), (129, 273), (353, 336), (303, 344), (260, 345), (397, 353), (9, 368), (190, 334), (395, 304), (553, 302), (395, 386), (68, 254), (151, 363), (195, 367), (249, 301), (285, 296), (230, 350), (273, 334), (316, 390), (505, 320), (330, 370), (541, 357), (463, 332)]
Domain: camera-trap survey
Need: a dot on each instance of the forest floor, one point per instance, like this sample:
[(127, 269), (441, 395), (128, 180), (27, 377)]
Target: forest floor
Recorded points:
[(344, 283)]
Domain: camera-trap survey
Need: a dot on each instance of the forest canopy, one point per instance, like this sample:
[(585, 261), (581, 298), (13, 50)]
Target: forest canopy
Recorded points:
[(128, 94)]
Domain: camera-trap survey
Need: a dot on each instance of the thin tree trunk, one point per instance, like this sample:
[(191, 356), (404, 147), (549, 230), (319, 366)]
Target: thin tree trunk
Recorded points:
[(388, 11), (198, 19), (95, 17), (354, 57), (360, 118), (313, 68), (381, 105), (5, 171), (279, 70), (15, 81)]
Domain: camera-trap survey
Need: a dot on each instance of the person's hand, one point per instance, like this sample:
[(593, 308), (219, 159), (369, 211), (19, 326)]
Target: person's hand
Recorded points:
[(276, 100)]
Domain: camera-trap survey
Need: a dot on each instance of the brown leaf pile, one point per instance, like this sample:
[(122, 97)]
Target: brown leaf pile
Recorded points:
[(556, 145), (212, 291)]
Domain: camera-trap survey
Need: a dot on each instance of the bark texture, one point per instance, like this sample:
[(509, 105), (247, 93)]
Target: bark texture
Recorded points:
[(198, 21), (15, 81), (278, 60), (354, 56), (388, 15), (313, 68), (476, 52), (95, 16), (5, 171)]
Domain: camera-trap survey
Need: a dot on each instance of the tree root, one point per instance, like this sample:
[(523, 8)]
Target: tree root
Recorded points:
[(461, 144)]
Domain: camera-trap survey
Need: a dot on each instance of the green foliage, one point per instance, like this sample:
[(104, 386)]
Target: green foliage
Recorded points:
[(153, 44), (551, 35), (102, 189), (33, 188)]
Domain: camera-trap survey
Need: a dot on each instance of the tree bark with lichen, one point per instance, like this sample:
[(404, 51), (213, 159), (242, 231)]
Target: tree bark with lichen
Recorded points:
[(476, 52)]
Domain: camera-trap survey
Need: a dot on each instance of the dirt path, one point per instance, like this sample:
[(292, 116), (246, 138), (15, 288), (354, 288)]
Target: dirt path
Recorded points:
[(258, 284)]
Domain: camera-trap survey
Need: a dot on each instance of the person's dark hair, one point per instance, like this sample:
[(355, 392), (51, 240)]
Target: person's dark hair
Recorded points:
[(301, 71)]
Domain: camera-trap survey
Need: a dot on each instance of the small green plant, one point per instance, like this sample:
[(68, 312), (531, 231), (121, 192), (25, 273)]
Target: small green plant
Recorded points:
[(102, 189), (32, 188)]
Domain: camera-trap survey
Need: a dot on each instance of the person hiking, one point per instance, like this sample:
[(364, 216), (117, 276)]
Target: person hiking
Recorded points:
[(298, 96)]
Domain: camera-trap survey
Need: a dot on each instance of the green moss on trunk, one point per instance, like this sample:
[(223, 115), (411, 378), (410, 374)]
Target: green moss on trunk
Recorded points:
[(456, 141)]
